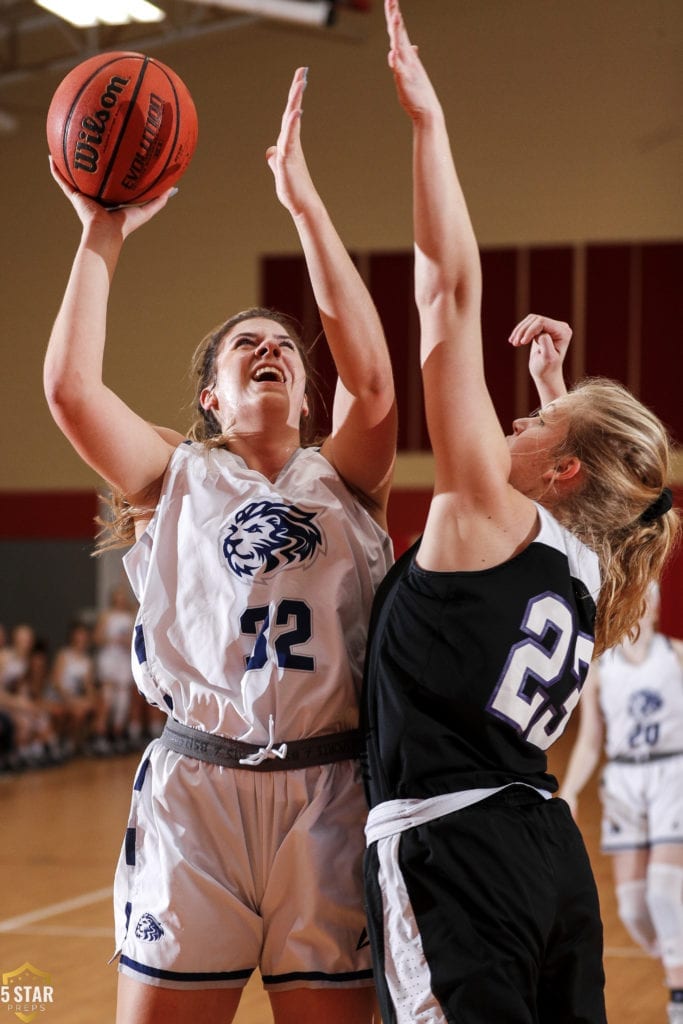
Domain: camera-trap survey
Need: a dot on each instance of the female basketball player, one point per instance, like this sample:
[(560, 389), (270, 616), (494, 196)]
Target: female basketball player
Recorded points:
[(73, 688), (112, 637), (481, 900), (255, 567), (634, 694)]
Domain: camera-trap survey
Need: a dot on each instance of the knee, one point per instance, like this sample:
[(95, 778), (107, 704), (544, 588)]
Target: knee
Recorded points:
[(632, 901), (665, 904)]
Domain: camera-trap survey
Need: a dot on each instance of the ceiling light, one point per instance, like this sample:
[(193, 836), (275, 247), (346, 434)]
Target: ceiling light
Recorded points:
[(88, 13), (304, 12)]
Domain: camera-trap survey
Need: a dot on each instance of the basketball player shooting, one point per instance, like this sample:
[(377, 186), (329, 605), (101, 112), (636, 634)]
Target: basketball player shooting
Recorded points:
[(256, 560)]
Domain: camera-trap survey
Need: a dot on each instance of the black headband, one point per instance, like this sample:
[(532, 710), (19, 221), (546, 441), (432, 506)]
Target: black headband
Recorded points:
[(659, 507)]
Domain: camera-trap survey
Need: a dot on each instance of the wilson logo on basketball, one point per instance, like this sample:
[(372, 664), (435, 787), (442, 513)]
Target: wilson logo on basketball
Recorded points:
[(87, 151), (148, 143)]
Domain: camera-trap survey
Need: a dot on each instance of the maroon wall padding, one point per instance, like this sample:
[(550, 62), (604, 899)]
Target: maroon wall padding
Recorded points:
[(662, 316), (47, 515), (633, 306), (551, 277), (407, 514), (607, 311), (390, 280), (498, 317)]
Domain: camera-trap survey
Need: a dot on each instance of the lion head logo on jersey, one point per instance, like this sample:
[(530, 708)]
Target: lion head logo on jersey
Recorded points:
[(644, 703), (267, 535)]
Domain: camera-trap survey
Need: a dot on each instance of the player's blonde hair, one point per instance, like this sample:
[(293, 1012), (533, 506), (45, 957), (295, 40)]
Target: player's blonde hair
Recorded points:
[(620, 508)]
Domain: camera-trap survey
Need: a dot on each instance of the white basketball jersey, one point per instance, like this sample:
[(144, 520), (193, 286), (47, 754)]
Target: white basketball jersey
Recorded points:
[(642, 704), (255, 596), (117, 627), (76, 667)]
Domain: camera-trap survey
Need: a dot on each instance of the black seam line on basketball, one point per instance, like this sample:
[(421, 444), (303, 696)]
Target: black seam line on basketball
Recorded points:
[(65, 131), (175, 139), (129, 114)]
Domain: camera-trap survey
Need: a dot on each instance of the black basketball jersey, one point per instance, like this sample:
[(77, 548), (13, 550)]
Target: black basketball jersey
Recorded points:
[(470, 676)]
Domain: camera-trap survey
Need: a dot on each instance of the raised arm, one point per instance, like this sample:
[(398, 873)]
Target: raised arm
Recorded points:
[(587, 748), (117, 443), (548, 341), (476, 519), (364, 414)]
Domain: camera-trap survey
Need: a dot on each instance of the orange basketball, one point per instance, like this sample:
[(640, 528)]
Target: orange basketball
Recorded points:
[(122, 127)]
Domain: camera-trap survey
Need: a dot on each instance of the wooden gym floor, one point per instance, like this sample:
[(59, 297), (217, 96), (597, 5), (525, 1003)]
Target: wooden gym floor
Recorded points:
[(61, 829)]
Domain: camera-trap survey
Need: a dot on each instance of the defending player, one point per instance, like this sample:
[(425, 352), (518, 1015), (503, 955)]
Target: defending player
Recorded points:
[(481, 899)]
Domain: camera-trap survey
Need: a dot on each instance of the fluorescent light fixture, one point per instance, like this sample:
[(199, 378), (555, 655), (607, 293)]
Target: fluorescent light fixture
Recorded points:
[(88, 13), (303, 12)]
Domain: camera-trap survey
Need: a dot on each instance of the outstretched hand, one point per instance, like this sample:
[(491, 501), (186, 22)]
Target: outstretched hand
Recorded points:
[(415, 91), (286, 160), (548, 342), (122, 219)]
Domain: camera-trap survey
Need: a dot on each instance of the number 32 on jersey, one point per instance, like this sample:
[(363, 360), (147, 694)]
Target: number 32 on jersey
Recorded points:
[(289, 629), (544, 673)]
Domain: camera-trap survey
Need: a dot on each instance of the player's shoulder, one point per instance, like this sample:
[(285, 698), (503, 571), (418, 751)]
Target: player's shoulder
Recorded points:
[(582, 561)]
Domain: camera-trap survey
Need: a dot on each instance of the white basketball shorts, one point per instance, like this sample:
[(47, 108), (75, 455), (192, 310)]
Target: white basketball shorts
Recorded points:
[(224, 870), (642, 804)]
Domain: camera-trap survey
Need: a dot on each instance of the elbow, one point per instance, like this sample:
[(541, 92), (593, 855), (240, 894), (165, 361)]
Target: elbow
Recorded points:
[(448, 301), (460, 289), (57, 390), (433, 282), (64, 394), (377, 390)]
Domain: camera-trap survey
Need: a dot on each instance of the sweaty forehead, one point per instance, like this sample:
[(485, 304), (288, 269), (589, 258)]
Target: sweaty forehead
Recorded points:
[(257, 327)]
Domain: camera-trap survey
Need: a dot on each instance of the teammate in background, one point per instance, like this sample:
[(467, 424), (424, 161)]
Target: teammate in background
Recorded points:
[(14, 656), (255, 567), (113, 636), (22, 683), (47, 719), (633, 702), (73, 685), (481, 901)]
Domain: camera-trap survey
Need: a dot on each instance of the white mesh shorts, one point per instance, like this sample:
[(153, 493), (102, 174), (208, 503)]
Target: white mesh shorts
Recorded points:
[(224, 870), (642, 804)]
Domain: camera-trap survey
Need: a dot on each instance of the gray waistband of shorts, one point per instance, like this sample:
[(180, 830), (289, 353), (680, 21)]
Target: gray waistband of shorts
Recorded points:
[(645, 757), (207, 746)]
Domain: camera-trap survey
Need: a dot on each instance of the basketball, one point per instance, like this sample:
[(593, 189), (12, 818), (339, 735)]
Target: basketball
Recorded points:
[(122, 127)]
